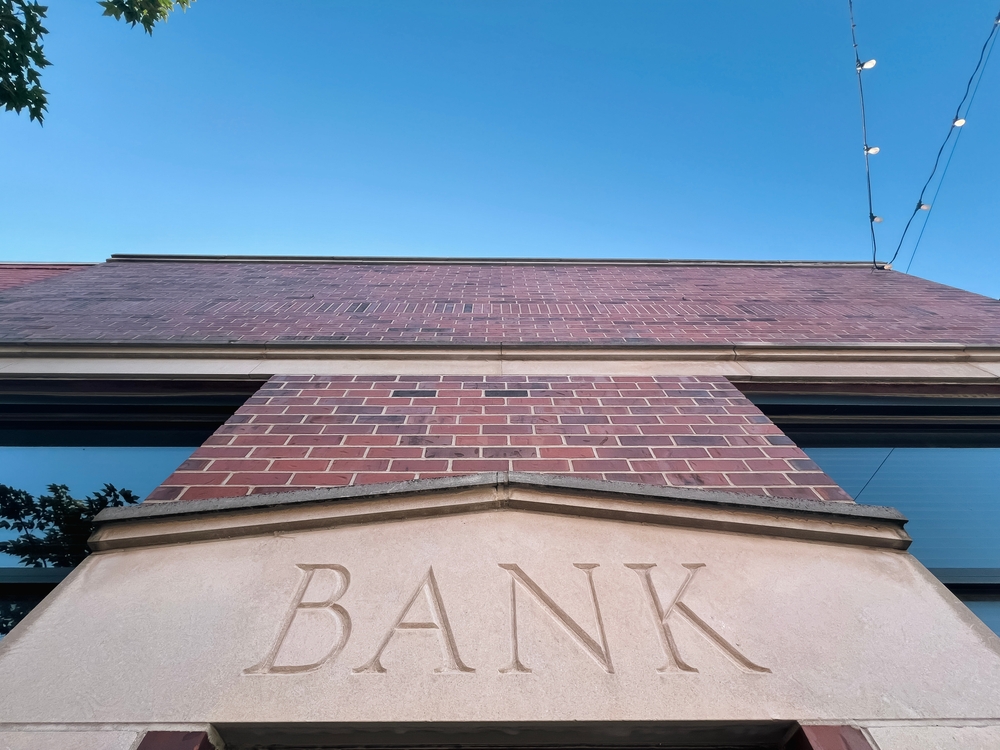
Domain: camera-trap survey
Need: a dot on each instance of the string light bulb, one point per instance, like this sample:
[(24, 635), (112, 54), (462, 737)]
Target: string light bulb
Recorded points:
[(959, 122), (872, 150), (876, 219), (867, 64), (921, 206)]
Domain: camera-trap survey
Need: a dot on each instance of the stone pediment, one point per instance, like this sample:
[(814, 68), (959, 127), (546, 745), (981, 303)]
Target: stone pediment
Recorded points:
[(166, 522), (499, 599)]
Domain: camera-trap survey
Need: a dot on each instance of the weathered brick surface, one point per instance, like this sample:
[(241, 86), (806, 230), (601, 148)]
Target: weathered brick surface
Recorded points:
[(310, 431), (19, 274), (492, 303)]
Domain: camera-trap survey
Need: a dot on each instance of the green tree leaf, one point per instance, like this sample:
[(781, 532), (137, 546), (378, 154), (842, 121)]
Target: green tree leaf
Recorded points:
[(53, 529), (22, 58), (145, 12), (21, 55)]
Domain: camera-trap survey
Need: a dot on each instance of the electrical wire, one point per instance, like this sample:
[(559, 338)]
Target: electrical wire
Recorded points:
[(957, 121), (874, 473), (864, 132), (923, 226)]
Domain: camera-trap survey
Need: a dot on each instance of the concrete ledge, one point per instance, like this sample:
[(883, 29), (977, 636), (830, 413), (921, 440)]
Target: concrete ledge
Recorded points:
[(743, 501), (180, 522), (740, 362)]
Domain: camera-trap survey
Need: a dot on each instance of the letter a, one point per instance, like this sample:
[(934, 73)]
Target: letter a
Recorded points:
[(599, 652), (661, 615), (266, 666), (439, 622)]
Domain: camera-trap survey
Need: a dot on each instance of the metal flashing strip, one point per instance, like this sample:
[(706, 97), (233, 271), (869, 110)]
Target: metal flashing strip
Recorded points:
[(207, 520), (467, 261), (138, 411), (33, 575), (971, 584), (30, 583), (960, 576)]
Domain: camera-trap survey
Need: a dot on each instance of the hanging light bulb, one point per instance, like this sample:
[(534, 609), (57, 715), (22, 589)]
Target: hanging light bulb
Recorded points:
[(872, 150), (959, 122), (868, 64), (876, 219), (923, 206)]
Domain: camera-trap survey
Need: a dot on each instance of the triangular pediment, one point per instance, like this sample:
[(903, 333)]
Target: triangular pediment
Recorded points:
[(497, 599), (170, 522)]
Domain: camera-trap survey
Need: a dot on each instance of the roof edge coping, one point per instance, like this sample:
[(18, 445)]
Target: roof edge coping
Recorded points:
[(467, 261), (47, 263)]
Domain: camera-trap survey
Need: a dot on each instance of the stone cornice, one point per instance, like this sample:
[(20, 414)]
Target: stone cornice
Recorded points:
[(204, 520), (920, 362)]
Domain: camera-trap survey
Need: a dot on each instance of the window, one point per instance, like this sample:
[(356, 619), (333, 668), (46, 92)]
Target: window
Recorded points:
[(86, 433), (952, 498), (933, 452), (86, 469)]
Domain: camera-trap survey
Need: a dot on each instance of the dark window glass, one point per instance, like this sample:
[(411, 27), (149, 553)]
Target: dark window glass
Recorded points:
[(950, 495)]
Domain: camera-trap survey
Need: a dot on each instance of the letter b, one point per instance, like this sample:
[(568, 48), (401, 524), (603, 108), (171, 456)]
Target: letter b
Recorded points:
[(301, 607)]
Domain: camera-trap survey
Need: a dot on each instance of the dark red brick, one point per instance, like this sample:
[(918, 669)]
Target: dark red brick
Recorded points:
[(416, 465), (510, 452)]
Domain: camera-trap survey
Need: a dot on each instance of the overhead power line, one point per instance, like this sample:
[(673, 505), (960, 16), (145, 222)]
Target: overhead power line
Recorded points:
[(957, 121), (869, 150)]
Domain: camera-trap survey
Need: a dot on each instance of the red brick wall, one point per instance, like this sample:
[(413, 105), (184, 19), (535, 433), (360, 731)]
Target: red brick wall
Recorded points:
[(313, 431), (373, 303)]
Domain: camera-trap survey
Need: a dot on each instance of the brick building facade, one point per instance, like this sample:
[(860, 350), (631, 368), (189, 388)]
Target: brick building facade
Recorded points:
[(515, 430), (302, 432)]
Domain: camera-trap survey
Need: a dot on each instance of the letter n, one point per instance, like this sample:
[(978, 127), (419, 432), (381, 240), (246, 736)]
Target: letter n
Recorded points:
[(598, 651)]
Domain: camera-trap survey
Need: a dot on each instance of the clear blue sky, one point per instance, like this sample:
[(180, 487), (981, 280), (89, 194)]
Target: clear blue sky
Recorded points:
[(609, 128)]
